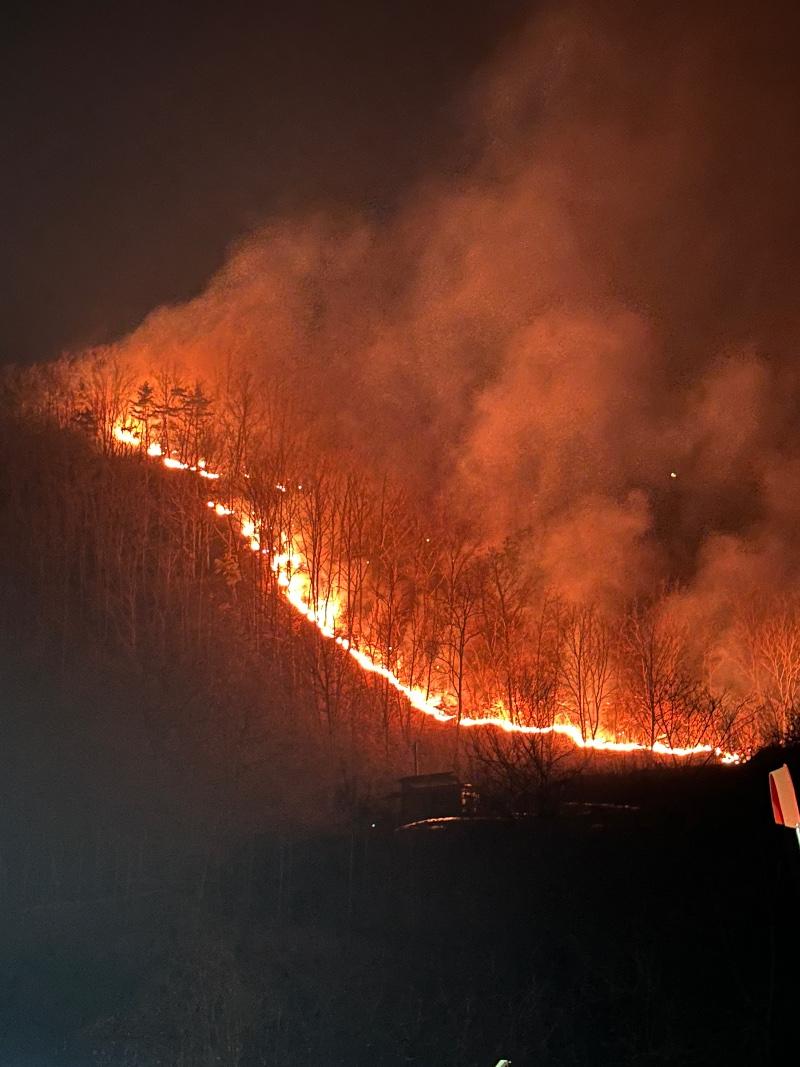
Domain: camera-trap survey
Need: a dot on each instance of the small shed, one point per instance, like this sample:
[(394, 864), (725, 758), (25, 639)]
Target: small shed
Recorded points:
[(430, 796)]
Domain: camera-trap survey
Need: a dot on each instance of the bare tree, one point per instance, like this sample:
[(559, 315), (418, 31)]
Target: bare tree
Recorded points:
[(767, 636), (656, 682), (524, 769), (585, 666)]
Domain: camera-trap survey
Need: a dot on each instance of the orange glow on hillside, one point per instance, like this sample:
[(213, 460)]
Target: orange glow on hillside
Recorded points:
[(292, 577)]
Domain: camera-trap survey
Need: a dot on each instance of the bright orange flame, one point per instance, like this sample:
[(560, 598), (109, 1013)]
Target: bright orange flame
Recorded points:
[(126, 437), (293, 579), (129, 437)]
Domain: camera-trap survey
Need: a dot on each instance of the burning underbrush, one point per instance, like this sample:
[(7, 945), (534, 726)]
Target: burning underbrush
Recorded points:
[(440, 626)]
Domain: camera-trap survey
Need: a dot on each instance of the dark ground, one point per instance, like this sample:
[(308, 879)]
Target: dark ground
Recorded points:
[(659, 934)]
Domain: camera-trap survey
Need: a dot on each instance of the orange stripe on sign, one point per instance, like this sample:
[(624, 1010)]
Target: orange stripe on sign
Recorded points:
[(777, 814)]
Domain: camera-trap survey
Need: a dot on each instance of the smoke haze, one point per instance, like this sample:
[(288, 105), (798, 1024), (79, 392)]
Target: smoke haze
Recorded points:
[(585, 330)]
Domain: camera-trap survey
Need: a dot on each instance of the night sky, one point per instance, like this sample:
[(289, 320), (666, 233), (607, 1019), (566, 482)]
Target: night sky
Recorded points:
[(139, 142)]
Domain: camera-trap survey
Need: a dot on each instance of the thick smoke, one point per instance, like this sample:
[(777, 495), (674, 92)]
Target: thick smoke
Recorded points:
[(585, 332)]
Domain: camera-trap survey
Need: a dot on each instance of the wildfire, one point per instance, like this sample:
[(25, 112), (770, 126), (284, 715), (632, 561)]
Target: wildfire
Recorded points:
[(129, 437), (293, 579)]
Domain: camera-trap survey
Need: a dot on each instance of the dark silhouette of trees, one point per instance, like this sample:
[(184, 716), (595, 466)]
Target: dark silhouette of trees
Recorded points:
[(136, 553)]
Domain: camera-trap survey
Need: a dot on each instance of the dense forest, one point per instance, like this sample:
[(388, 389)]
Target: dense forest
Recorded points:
[(193, 863), (409, 580)]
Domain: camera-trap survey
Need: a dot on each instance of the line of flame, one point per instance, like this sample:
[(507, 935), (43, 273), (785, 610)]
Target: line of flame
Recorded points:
[(288, 567)]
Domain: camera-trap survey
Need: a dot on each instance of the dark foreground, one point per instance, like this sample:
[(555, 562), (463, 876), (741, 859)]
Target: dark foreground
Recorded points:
[(663, 935)]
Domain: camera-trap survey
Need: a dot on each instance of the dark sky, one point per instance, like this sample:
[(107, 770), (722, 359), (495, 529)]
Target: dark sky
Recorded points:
[(138, 143)]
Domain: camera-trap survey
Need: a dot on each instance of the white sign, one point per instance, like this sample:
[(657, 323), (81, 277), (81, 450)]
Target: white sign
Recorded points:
[(782, 795)]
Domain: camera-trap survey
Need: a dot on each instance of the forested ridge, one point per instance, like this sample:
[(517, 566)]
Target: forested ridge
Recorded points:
[(411, 580)]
